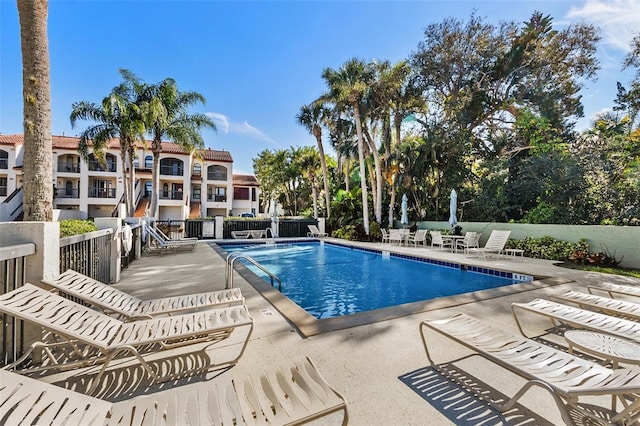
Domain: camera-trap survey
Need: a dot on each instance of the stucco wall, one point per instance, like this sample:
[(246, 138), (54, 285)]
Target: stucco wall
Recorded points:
[(621, 241)]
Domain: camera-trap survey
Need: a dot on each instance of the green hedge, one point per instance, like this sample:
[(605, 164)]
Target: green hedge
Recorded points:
[(548, 247), (71, 227)]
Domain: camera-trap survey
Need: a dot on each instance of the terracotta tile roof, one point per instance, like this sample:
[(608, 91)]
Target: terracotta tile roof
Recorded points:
[(71, 142), (245, 180)]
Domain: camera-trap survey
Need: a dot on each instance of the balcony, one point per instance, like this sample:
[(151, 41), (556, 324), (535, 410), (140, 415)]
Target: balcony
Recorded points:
[(217, 198), (171, 195), (65, 168), (95, 166), (102, 193), (171, 171), (67, 193), (217, 176)]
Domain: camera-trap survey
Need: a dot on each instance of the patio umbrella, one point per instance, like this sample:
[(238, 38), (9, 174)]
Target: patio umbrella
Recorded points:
[(453, 207), (405, 219)]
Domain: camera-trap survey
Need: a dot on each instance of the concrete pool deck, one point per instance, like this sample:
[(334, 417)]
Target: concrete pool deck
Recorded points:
[(365, 362)]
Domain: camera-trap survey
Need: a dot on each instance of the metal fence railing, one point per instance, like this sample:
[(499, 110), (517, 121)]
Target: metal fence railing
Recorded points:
[(89, 254), (13, 264)]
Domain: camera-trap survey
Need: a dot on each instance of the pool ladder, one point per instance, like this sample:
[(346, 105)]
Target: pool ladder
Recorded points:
[(231, 260)]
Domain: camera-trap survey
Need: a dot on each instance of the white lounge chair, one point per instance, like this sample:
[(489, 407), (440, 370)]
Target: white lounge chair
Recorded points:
[(494, 245), (111, 300), (613, 289), (315, 232), (87, 330), (158, 244), (605, 305), (385, 235), (579, 318), (437, 240), (566, 377), (290, 392), (419, 237)]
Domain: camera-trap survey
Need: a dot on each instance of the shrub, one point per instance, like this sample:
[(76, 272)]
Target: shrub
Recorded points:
[(548, 247), (71, 227)]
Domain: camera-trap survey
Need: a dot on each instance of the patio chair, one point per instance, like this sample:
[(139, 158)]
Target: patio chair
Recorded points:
[(566, 377), (437, 240), (110, 300), (397, 236), (290, 392), (419, 237), (579, 318), (87, 331), (605, 305), (385, 235), (613, 289), (315, 232), (471, 240), (183, 240), (495, 244)]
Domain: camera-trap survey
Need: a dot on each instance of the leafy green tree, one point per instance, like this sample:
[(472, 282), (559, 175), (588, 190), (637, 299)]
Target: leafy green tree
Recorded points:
[(116, 116), (36, 90), (165, 111), (347, 86), (311, 117)]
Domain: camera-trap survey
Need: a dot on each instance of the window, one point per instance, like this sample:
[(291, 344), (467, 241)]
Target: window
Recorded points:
[(148, 187), (217, 173), (148, 162), (4, 160), (253, 195), (68, 188), (136, 163), (3, 186), (195, 193), (165, 190), (171, 167), (197, 169), (219, 194), (240, 193)]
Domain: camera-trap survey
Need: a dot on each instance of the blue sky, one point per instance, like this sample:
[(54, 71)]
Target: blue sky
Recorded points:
[(257, 62)]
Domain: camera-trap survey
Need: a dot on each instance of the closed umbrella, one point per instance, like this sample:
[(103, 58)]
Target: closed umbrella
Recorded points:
[(453, 207), (405, 219)]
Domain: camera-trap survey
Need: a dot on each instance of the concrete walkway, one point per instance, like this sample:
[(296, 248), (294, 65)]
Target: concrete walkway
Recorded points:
[(364, 363)]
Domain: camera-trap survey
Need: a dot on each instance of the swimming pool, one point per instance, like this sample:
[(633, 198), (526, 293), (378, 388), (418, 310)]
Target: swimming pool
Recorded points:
[(329, 280)]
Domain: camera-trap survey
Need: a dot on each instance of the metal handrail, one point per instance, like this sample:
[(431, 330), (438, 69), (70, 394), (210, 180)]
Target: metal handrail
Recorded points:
[(231, 259)]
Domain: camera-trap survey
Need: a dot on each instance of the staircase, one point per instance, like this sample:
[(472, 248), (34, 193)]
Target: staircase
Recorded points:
[(194, 211), (11, 207), (141, 209)]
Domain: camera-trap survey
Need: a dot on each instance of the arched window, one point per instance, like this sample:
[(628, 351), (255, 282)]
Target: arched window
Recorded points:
[(136, 163), (148, 162), (171, 167), (197, 169), (217, 173), (148, 187)]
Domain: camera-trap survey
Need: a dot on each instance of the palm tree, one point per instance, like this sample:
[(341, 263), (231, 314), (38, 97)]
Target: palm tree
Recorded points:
[(116, 116), (164, 111), (311, 116), (348, 86), (36, 88)]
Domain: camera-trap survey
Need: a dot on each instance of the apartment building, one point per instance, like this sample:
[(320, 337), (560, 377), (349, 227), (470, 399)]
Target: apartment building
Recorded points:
[(199, 184)]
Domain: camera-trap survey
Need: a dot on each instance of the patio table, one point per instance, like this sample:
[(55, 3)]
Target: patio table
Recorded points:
[(454, 241)]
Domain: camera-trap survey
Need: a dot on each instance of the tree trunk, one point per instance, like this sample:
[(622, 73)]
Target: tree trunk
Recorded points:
[(123, 162), (132, 179), (36, 92), (378, 179), (155, 179), (392, 204), (363, 178), (347, 174), (314, 192), (325, 175)]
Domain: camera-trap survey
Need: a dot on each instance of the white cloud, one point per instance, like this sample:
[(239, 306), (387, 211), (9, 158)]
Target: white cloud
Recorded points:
[(240, 128), (619, 20)]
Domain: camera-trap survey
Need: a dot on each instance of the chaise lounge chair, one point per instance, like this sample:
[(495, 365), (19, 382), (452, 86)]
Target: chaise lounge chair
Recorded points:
[(613, 289), (566, 377), (579, 318), (605, 305), (495, 244), (110, 300), (291, 393), (87, 330), (158, 244), (315, 232)]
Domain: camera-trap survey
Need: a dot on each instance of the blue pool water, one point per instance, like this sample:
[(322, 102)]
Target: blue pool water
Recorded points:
[(329, 280)]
